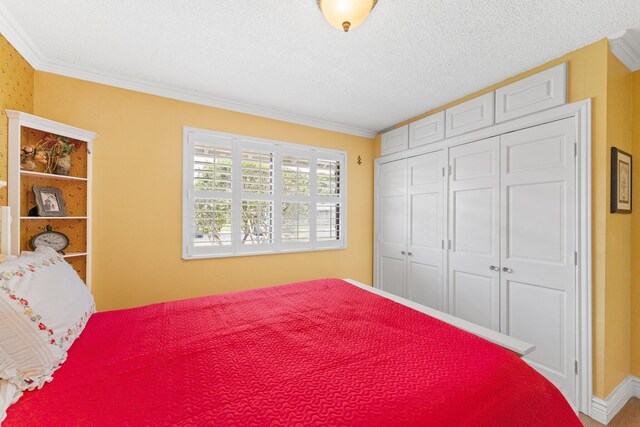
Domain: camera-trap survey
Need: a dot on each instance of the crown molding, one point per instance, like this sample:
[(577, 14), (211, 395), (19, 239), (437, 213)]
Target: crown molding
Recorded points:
[(14, 33), (167, 91), (625, 45)]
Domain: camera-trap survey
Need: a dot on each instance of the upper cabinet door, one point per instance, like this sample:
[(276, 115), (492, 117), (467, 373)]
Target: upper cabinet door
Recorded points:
[(427, 131), (474, 114), (539, 92), (395, 140)]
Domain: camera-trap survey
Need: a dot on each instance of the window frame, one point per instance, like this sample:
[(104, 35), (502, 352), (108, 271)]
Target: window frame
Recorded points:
[(191, 136)]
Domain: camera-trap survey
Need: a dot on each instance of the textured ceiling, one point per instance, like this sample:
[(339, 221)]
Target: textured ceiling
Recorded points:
[(410, 55)]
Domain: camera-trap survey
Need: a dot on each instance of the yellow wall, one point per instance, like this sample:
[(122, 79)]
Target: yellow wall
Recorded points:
[(16, 93), (618, 252), (595, 73), (635, 234), (137, 197)]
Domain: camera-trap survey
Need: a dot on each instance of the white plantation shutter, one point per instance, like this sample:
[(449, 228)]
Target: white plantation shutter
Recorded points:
[(257, 172), (296, 171), (329, 201), (296, 198), (328, 220), (244, 196), (212, 168), (258, 175), (212, 222), (211, 196), (328, 177), (257, 223), (296, 227)]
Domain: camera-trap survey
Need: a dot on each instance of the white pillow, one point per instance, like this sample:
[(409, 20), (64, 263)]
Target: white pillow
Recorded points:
[(44, 306), (9, 394)]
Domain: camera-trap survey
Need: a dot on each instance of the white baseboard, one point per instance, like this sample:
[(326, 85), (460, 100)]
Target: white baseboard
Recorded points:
[(636, 386), (603, 410)]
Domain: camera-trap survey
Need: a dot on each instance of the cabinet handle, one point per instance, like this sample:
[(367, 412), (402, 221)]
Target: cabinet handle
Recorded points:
[(403, 252), (494, 268), (507, 270), (410, 253)]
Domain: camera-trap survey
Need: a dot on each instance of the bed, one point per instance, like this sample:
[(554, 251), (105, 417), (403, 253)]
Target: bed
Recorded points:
[(322, 352)]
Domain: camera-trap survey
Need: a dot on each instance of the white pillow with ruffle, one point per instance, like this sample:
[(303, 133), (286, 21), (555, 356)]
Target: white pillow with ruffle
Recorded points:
[(44, 306), (9, 394)]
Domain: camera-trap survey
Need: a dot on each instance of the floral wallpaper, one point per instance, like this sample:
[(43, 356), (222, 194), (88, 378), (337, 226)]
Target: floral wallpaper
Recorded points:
[(16, 93)]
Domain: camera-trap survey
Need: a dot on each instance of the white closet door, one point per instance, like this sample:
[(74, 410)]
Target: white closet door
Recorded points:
[(474, 221), (392, 235), (425, 255), (538, 247)]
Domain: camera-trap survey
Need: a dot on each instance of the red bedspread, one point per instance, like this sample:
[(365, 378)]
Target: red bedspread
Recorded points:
[(315, 353)]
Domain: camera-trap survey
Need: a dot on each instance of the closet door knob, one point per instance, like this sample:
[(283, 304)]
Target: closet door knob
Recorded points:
[(403, 252), (494, 268), (507, 270), (410, 253)]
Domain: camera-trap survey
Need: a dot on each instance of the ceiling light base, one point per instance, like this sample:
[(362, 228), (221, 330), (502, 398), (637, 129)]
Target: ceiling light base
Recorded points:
[(346, 15)]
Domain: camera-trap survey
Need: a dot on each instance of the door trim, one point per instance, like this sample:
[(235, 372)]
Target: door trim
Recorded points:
[(581, 112), (582, 115)]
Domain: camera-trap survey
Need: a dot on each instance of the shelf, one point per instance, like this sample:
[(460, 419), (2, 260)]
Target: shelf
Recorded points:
[(53, 217), (51, 176), (74, 254)]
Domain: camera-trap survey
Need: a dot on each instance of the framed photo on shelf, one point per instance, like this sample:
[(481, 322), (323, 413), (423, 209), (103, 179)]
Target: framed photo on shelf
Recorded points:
[(621, 180), (49, 201)]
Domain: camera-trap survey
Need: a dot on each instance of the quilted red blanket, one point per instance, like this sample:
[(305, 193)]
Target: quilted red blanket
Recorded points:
[(315, 353)]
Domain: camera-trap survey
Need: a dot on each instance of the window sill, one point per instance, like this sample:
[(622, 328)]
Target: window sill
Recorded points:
[(186, 257)]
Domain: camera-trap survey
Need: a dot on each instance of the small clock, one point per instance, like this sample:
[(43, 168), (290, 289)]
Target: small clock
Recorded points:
[(49, 238)]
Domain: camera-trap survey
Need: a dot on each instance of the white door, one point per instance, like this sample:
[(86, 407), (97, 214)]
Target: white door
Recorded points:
[(392, 233), (474, 222), (425, 254), (538, 279)]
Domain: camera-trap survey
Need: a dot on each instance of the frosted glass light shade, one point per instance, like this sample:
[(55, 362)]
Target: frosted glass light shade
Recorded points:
[(346, 14)]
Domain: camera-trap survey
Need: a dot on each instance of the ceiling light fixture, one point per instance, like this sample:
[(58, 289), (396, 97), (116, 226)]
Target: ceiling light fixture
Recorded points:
[(346, 14)]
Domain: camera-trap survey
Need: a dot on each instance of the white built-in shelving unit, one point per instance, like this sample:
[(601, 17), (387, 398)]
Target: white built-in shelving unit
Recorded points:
[(25, 129)]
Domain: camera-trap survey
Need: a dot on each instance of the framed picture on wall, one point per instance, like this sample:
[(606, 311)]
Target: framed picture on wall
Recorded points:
[(621, 179), (49, 201)]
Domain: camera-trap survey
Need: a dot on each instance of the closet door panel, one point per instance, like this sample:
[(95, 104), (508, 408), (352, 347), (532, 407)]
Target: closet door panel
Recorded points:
[(474, 227), (538, 247), (424, 283), (392, 233), (392, 274), (425, 255), (475, 297), (474, 217)]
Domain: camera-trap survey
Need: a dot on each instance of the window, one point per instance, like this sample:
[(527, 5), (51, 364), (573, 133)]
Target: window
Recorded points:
[(247, 196)]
